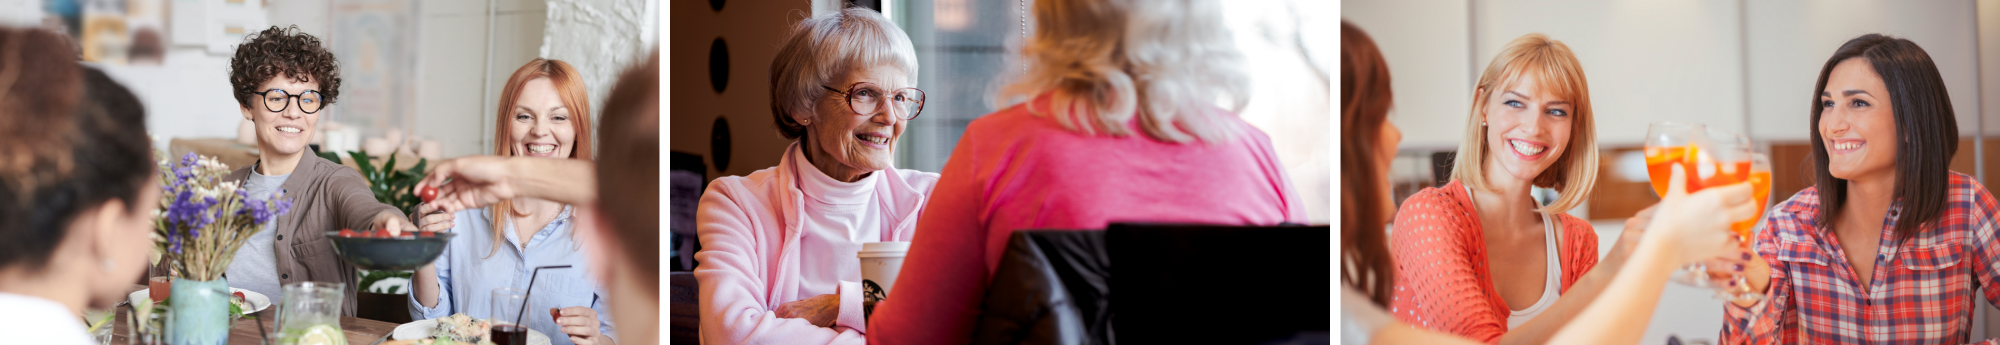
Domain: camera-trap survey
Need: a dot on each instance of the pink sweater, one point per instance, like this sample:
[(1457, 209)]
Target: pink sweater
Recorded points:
[(1013, 170), (750, 228)]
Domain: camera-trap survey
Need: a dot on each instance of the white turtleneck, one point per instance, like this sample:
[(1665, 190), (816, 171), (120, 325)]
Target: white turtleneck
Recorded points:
[(839, 217)]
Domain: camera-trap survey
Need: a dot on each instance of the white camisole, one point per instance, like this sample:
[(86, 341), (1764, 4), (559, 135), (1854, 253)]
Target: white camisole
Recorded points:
[(1552, 283)]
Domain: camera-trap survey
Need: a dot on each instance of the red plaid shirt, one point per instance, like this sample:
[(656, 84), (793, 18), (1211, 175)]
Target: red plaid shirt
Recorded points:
[(1921, 292)]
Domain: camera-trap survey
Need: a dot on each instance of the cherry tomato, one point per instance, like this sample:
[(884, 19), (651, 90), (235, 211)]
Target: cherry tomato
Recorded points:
[(239, 294), (428, 193), (554, 314), (349, 233), (426, 234), (381, 233)]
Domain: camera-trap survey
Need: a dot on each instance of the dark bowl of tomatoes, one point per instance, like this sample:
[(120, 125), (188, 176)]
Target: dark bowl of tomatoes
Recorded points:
[(378, 250)]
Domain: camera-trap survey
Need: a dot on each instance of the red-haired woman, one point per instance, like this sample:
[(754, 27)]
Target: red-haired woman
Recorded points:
[(544, 112)]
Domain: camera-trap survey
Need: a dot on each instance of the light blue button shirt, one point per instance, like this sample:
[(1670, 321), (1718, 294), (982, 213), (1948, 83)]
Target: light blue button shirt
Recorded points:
[(467, 275)]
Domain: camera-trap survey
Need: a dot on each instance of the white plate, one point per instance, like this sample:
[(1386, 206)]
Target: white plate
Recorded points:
[(257, 301), (421, 329)]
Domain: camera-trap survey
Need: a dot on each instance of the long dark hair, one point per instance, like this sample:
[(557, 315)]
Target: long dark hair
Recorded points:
[(1364, 109), (1926, 132)]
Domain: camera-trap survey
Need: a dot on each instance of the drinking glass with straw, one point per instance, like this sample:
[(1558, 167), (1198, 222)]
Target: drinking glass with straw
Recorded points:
[(512, 304)]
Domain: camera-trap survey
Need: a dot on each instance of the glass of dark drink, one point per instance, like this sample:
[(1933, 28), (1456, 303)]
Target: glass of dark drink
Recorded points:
[(507, 309), (510, 335)]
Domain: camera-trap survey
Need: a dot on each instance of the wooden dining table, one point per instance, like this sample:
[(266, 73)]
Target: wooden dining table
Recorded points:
[(246, 331)]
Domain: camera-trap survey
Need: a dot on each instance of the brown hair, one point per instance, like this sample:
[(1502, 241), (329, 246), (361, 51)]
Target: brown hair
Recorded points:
[(40, 84), (1926, 132), (1536, 56), (286, 51), (628, 180), (569, 87), (1365, 100)]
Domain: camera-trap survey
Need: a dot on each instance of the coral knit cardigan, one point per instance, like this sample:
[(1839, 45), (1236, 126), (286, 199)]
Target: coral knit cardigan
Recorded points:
[(1442, 280)]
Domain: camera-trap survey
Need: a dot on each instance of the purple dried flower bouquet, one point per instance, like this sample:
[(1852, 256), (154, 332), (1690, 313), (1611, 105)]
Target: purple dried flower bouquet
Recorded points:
[(204, 219)]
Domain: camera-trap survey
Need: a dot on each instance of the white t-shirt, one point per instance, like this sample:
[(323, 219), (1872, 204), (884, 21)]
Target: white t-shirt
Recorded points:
[(838, 218), (35, 320)]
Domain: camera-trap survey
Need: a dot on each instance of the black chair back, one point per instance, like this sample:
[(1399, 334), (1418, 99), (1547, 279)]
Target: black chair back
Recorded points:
[(684, 309), (1051, 288), (1205, 284), (1175, 284)]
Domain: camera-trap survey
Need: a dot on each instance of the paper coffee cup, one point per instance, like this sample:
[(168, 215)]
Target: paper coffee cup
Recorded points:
[(880, 261)]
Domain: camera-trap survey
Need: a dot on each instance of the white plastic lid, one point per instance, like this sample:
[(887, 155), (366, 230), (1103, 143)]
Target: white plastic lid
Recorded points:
[(883, 249)]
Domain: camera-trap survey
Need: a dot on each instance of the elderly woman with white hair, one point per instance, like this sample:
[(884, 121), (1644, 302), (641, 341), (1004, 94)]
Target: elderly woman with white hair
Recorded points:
[(778, 259), (1119, 123)]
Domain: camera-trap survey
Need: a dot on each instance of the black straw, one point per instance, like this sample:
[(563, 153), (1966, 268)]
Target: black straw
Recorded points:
[(521, 315)]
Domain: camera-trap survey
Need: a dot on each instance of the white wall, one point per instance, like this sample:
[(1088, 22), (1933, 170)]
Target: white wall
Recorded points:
[(1654, 61), (1790, 41), (600, 38), (1427, 44), (189, 97), (459, 71), (1646, 61)]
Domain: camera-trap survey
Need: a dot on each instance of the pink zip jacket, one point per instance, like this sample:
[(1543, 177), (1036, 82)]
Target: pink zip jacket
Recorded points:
[(749, 228)]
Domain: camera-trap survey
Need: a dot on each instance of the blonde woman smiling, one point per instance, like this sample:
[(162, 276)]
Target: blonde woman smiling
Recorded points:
[(1480, 257)]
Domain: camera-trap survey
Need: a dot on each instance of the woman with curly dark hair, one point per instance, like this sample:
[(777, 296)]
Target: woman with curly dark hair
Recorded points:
[(283, 80)]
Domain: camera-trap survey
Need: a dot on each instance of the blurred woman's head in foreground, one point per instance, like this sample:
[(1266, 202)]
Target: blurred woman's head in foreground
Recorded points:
[(75, 217)]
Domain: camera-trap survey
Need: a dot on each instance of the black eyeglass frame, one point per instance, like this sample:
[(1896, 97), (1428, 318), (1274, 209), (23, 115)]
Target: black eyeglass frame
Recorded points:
[(289, 100), (849, 97)]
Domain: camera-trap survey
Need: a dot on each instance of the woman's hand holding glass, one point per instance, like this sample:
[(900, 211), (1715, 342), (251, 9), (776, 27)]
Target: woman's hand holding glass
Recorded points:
[(1711, 158), (1688, 224)]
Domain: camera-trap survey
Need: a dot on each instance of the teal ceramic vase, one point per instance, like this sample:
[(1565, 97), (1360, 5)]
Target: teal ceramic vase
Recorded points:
[(199, 312)]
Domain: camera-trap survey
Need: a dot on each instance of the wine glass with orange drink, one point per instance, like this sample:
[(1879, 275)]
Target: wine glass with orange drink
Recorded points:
[(1760, 192), (1711, 158)]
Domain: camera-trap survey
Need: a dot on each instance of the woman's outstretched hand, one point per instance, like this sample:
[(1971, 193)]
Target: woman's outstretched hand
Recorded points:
[(474, 182), (480, 181)]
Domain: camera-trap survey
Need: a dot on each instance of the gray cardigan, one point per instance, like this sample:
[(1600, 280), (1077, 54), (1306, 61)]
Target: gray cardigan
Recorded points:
[(326, 196)]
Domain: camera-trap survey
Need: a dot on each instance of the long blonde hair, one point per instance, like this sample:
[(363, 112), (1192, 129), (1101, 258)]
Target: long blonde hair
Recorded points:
[(1105, 61), (570, 88), (1554, 67)]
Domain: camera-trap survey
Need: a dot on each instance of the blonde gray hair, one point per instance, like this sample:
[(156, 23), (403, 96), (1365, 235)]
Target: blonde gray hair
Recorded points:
[(1104, 62), (828, 46)]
